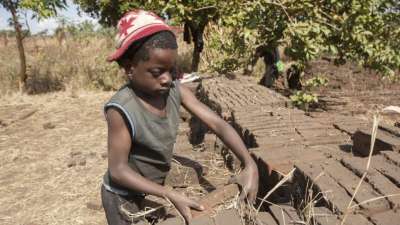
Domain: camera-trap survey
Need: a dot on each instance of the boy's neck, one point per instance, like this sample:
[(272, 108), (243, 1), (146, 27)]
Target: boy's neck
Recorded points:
[(155, 104)]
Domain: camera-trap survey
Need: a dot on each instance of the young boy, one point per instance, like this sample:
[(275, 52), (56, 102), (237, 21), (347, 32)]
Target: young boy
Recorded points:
[(143, 120)]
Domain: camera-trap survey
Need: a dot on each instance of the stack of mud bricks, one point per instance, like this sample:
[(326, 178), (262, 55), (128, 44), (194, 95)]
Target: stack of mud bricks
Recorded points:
[(328, 154)]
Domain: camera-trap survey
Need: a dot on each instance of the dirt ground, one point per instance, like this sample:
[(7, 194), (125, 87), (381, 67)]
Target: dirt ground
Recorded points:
[(351, 91), (53, 150)]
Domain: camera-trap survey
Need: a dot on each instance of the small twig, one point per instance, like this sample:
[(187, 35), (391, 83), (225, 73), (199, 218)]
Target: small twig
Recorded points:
[(142, 213), (373, 199)]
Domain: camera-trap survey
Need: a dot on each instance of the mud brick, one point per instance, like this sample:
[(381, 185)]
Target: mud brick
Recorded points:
[(348, 180), (349, 127), (319, 131), (228, 217), (283, 159), (357, 219), (276, 133), (216, 197), (390, 129), (389, 170), (280, 141), (333, 194), (285, 214), (322, 216), (386, 218), (172, 221), (394, 157), (376, 179), (265, 218), (384, 141), (337, 139), (277, 122), (202, 220)]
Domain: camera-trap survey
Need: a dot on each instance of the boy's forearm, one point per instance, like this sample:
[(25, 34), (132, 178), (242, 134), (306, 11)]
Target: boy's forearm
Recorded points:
[(233, 141), (132, 180)]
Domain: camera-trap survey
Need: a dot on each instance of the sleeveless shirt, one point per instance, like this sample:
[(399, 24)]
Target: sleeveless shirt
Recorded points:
[(153, 137)]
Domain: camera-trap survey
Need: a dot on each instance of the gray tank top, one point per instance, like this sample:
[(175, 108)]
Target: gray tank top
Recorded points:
[(153, 137)]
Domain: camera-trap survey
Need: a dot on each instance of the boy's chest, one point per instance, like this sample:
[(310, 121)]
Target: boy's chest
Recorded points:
[(156, 107), (157, 134)]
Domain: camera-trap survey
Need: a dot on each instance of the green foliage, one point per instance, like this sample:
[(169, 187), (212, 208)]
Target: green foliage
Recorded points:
[(110, 11), (41, 8), (316, 81), (366, 31), (226, 50), (306, 98), (303, 99)]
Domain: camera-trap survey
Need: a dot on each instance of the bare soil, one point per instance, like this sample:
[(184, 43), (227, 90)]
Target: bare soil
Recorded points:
[(53, 150)]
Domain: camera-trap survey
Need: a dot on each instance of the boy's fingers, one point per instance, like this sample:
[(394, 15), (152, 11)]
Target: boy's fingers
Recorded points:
[(187, 217), (252, 197), (197, 206)]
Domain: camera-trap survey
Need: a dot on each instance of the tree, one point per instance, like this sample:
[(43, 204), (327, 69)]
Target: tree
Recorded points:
[(41, 9), (195, 15), (364, 31)]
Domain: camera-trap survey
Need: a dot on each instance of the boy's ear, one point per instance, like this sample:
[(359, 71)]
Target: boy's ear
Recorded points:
[(130, 71)]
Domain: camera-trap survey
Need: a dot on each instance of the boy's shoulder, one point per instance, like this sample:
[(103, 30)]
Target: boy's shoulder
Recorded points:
[(122, 96)]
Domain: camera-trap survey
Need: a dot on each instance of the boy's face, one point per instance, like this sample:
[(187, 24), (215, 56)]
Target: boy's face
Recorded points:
[(154, 76)]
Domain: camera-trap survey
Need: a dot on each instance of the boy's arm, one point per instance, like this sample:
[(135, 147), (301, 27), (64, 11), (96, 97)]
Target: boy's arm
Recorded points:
[(119, 146), (248, 178)]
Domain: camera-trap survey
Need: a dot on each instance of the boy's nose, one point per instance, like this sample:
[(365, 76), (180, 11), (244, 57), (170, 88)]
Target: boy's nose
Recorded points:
[(165, 79)]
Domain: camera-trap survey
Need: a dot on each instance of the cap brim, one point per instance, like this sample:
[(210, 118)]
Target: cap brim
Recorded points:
[(144, 33)]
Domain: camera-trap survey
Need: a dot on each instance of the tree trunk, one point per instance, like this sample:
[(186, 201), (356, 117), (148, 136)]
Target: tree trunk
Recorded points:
[(5, 36), (197, 31), (196, 58), (22, 73)]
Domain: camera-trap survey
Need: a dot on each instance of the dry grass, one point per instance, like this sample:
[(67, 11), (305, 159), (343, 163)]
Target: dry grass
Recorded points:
[(77, 64)]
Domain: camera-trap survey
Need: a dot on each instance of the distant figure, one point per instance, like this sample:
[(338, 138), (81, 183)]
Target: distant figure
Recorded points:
[(273, 65)]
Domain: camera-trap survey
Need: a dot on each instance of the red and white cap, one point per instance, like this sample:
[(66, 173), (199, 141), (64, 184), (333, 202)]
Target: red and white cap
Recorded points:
[(133, 26)]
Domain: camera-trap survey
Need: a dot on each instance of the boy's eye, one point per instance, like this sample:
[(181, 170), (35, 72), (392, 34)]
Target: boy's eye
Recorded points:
[(156, 72)]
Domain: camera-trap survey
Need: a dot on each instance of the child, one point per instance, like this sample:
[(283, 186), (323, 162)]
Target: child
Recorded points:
[(143, 120)]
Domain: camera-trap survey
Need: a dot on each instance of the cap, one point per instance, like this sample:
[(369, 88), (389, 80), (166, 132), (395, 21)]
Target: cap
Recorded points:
[(133, 26)]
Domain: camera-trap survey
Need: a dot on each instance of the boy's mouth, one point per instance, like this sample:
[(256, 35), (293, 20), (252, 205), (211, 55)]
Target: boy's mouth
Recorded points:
[(163, 90)]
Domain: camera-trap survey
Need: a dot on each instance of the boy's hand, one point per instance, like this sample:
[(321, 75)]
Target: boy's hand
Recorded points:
[(248, 180), (183, 204)]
